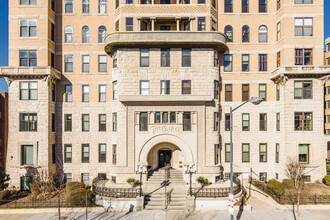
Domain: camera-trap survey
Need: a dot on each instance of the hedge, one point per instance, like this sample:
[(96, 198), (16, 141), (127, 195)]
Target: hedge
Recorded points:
[(69, 187), (327, 180), (277, 187), (78, 197), (5, 194)]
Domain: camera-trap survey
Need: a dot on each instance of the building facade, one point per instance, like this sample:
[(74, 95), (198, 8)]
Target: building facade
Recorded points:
[(3, 126), (100, 87)]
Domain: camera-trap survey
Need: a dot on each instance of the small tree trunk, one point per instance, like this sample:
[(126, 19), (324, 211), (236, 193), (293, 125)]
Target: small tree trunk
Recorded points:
[(298, 201)]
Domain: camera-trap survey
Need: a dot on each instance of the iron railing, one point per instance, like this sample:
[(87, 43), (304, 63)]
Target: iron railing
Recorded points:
[(168, 198)]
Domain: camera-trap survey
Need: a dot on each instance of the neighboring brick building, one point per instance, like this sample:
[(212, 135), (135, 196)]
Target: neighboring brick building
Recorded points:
[(3, 126)]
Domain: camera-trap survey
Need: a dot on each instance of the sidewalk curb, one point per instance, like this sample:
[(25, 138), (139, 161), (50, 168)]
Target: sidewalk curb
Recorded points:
[(48, 210)]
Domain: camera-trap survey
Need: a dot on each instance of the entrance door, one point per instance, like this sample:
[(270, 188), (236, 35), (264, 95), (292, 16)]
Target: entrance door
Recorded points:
[(164, 158)]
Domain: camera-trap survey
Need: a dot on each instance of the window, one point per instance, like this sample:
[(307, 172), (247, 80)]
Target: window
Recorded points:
[(228, 92), (165, 57), (28, 122), (52, 60), (216, 154), (67, 153), (129, 2), (245, 92), (303, 89), (172, 117), (262, 5), (117, 3), (303, 1), (277, 153), (67, 177), (27, 154), (144, 87), (186, 26), (303, 156), (102, 6), (263, 91), (186, 87), (102, 122), (28, 27), (227, 152), (229, 33), (303, 121), (85, 63), (245, 62), (68, 6), (114, 154), (278, 4), (28, 90), (227, 122), (114, 121), (28, 58), (263, 122), (165, 87), (201, 1), (114, 57), (68, 59), (328, 61), (262, 152), (278, 31), (117, 25), (278, 63), (53, 5), (263, 176), (53, 122), (201, 24), (245, 152), (245, 6), (53, 92), (28, 2), (85, 153), (102, 93), (68, 93), (245, 122), (303, 26), (186, 121), (102, 153), (68, 32), (216, 59), (303, 57), (262, 34), (102, 32), (245, 34), (85, 6), (157, 117), (129, 24), (216, 89), (68, 122), (278, 121), (186, 57), (143, 119), (306, 178), (85, 122), (85, 178), (262, 62), (228, 62), (216, 121), (144, 58), (228, 6), (85, 93), (114, 90), (102, 63), (85, 34)]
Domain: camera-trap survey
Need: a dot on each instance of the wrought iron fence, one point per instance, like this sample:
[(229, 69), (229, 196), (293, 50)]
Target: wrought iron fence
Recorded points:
[(116, 192)]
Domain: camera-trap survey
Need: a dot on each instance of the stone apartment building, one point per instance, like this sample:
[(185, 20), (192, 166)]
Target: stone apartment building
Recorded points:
[(102, 86), (3, 126)]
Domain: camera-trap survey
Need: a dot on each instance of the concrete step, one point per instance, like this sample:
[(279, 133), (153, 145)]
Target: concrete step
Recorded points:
[(177, 208), (155, 207)]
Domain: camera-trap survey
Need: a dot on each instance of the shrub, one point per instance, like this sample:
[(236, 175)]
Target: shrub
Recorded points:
[(35, 189), (327, 180), (5, 194), (201, 180), (276, 187), (287, 183), (78, 197), (131, 181), (328, 169), (69, 187)]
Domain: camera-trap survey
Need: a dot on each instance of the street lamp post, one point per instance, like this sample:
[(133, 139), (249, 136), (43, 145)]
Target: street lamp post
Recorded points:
[(190, 170), (141, 170), (255, 101)]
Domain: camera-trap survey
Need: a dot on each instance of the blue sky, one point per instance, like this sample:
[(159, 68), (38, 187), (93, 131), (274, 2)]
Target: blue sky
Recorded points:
[(4, 34)]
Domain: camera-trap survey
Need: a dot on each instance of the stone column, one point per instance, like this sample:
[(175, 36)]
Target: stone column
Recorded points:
[(191, 23), (139, 203), (153, 23), (177, 2), (139, 21), (152, 2), (190, 203), (177, 24)]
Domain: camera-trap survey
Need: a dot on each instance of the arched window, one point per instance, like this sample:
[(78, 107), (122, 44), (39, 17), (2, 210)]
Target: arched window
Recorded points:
[(229, 33), (102, 33), (245, 34), (85, 34), (68, 31), (262, 34)]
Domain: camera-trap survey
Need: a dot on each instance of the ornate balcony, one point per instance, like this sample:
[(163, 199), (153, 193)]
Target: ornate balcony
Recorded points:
[(284, 72)]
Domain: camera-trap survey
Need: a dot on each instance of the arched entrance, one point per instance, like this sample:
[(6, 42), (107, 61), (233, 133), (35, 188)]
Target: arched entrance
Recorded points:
[(164, 154)]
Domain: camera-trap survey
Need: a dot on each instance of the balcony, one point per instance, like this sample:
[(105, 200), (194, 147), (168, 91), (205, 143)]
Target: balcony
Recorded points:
[(166, 98), (158, 39), (29, 72), (296, 71)]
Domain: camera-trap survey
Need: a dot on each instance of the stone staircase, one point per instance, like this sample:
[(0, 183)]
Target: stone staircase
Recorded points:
[(156, 191)]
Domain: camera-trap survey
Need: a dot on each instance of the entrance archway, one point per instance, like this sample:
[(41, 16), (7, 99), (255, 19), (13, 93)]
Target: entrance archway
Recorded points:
[(165, 154)]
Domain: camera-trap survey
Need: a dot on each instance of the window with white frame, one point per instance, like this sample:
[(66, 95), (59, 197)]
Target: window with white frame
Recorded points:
[(144, 58), (102, 6), (303, 26), (102, 32), (114, 90), (229, 33), (28, 27), (68, 93), (68, 59), (27, 154), (144, 87), (102, 93), (68, 6), (28, 2), (114, 121), (85, 6), (85, 93), (85, 63), (303, 153), (85, 34), (68, 32), (85, 178), (28, 90), (102, 63), (262, 34), (165, 87), (28, 58), (278, 31)]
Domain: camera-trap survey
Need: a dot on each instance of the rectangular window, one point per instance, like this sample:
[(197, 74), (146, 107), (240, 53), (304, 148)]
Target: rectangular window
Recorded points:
[(216, 154), (53, 154), (144, 87), (227, 152), (278, 121), (53, 122), (85, 93), (28, 27), (129, 2), (215, 121), (228, 62), (303, 26), (245, 62), (328, 61), (228, 6), (102, 63), (263, 122), (102, 153), (303, 57), (114, 121), (117, 3), (102, 122), (245, 92), (165, 57), (68, 6), (228, 92), (262, 5), (129, 24), (216, 58), (85, 6), (262, 152), (186, 87), (114, 91), (263, 91), (262, 62), (165, 117), (201, 24), (216, 89), (143, 119), (245, 122), (245, 153), (278, 56), (28, 2), (245, 6), (227, 122), (303, 89), (277, 153), (278, 31), (278, 4), (28, 122), (303, 121), (114, 59), (68, 93), (144, 57), (172, 117), (201, 2), (157, 117), (85, 153), (85, 122), (114, 154), (303, 1), (263, 176), (28, 58), (52, 32), (186, 121), (102, 93), (28, 90), (67, 153), (53, 92), (27, 154), (186, 57), (102, 6), (85, 63), (67, 177), (165, 87), (68, 122), (52, 60), (303, 153), (68, 63), (85, 178)]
